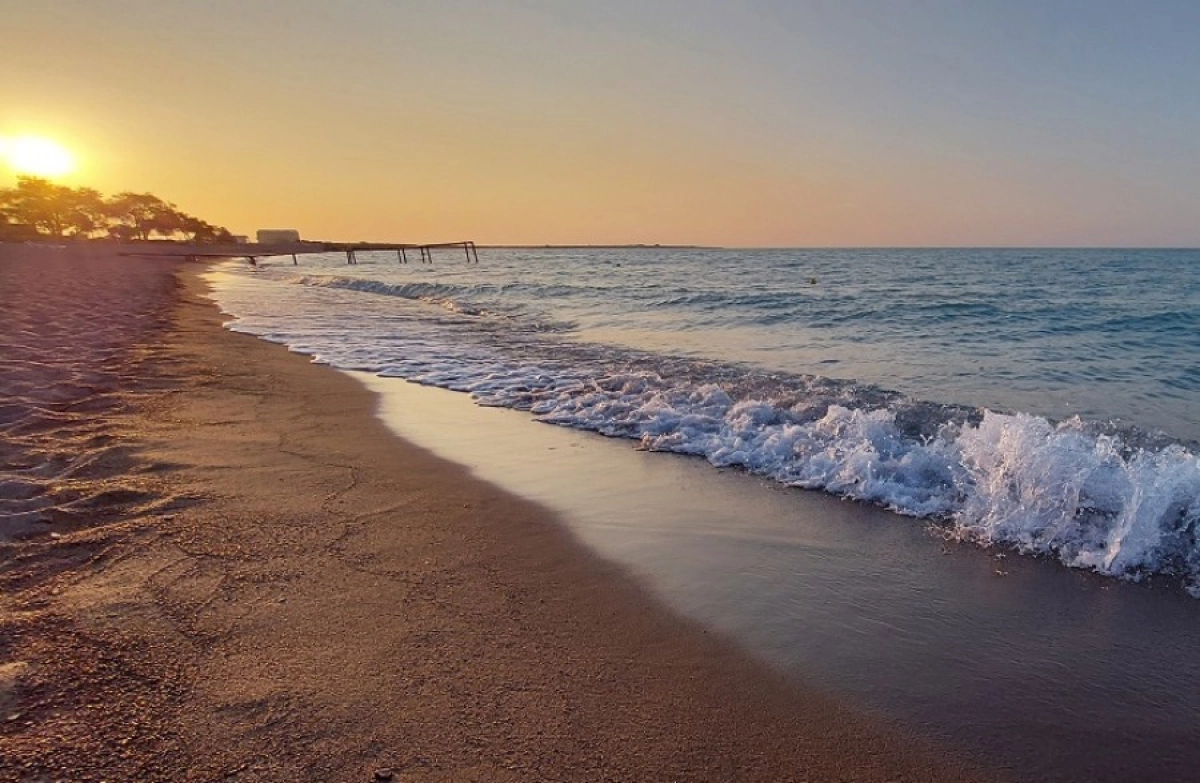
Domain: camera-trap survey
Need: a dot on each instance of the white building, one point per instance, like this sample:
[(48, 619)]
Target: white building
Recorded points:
[(277, 236)]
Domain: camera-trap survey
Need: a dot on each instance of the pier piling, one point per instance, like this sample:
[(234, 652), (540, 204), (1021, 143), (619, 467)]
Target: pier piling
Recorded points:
[(252, 251)]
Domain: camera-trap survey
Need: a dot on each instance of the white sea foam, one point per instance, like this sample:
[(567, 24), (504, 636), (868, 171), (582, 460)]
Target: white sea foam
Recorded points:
[(1087, 499), (1010, 479), (1066, 490)]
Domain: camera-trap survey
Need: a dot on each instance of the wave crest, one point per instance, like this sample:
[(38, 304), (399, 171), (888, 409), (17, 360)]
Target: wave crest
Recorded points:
[(449, 297), (1087, 498)]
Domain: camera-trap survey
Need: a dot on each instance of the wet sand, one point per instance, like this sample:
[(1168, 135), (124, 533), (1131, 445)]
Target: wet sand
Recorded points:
[(217, 564), (1051, 673)]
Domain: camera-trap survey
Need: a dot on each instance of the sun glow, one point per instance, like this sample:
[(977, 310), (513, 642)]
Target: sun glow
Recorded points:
[(37, 156)]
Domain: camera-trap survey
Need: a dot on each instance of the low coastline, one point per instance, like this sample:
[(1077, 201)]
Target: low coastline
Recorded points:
[(298, 594)]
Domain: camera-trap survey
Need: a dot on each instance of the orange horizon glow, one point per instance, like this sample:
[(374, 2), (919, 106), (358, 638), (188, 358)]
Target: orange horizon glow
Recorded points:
[(798, 125)]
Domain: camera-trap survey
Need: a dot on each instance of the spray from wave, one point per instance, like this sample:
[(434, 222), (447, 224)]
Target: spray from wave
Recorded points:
[(1068, 490), (1113, 499)]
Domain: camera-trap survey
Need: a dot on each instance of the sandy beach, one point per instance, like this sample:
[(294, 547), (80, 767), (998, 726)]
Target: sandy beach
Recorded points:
[(217, 564)]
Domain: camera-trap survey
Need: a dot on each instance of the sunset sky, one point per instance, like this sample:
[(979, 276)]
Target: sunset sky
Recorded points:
[(759, 123)]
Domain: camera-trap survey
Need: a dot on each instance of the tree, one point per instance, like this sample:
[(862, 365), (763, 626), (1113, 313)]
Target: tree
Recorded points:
[(202, 231), (39, 203), (12, 230), (38, 207), (144, 213), (85, 213)]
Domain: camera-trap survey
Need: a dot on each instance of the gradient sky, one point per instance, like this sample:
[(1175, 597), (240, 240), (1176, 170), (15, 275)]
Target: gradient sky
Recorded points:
[(758, 123)]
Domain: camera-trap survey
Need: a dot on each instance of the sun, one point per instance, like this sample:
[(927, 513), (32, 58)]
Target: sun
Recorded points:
[(37, 156)]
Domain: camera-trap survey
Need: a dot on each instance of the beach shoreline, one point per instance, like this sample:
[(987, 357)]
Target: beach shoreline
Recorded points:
[(296, 593)]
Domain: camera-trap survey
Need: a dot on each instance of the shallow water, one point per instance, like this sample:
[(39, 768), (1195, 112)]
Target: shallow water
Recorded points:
[(1098, 333), (1038, 400), (1054, 674), (737, 358)]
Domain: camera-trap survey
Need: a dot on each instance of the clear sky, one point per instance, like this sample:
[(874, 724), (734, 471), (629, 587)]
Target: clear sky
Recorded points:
[(754, 123)]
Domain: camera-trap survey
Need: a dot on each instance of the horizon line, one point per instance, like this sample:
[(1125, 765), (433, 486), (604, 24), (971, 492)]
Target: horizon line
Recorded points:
[(679, 246)]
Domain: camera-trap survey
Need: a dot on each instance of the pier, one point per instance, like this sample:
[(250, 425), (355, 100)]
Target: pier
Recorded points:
[(252, 251), (425, 251)]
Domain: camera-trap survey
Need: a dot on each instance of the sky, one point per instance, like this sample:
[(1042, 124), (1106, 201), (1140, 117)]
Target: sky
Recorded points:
[(747, 124)]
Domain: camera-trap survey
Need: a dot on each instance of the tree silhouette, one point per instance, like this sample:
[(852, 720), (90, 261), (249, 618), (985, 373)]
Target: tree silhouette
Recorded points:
[(39, 203), (85, 211), (46, 209), (144, 213)]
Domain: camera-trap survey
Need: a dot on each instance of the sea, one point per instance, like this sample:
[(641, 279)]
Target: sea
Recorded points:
[(1034, 409), (1043, 400)]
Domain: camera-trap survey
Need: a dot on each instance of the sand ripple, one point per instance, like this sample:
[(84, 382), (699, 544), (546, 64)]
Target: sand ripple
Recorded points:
[(76, 329)]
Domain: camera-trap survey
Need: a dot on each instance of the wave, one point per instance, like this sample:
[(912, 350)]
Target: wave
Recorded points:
[(1116, 501), (449, 297), (1165, 320), (469, 301), (1091, 494)]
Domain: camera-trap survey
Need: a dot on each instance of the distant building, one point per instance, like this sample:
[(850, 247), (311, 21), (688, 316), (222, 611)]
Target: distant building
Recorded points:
[(240, 239), (277, 236)]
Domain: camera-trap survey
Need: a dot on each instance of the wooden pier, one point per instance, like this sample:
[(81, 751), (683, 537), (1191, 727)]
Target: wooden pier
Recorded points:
[(401, 250), (252, 251)]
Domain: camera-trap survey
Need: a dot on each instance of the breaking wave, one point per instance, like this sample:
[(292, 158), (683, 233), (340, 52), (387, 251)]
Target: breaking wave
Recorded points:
[(1119, 502), (1092, 494), (449, 297)]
